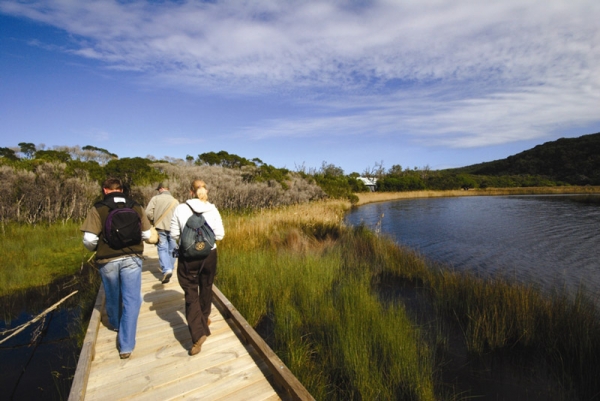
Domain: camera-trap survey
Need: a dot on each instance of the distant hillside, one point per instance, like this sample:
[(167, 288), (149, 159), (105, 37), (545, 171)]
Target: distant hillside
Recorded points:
[(575, 161)]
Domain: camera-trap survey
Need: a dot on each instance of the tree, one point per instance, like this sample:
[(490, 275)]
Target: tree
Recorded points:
[(377, 171), (101, 150), (92, 168), (331, 170), (133, 171), (8, 154), (396, 169), (223, 159), (210, 158), (28, 149), (53, 155)]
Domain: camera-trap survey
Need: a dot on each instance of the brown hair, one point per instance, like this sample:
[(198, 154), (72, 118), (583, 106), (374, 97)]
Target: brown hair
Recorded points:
[(114, 184), (199, 189)]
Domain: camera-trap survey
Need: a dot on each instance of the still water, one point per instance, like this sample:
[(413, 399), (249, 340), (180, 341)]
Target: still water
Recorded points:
[(548, 241)]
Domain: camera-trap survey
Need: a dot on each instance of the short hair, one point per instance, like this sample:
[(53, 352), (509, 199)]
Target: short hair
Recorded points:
[(113, 184)]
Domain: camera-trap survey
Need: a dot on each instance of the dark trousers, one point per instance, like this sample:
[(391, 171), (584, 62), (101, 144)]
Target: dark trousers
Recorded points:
[(196, 279)]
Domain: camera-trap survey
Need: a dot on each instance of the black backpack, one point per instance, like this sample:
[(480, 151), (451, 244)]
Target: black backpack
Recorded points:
[(123, 226), (197, 238)]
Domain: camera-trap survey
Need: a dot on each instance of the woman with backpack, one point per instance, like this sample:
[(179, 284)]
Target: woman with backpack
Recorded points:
[(195, 275)]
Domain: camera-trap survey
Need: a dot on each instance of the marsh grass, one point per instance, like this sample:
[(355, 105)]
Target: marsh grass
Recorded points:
[(309, 286), (40, 265), (370, 197), (36, 255), (287, 271), (496, 315)]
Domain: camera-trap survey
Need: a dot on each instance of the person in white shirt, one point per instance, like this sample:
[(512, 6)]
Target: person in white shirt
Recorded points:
[(196, 276)]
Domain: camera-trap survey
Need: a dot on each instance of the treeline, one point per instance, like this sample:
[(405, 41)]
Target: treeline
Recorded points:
[(61, 184), (573, 161), (424, 179), (566, 161)]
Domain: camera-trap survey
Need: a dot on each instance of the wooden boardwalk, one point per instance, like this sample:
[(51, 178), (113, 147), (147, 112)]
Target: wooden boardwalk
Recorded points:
[(235, 364)]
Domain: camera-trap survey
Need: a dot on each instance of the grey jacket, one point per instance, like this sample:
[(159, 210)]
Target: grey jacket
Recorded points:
[(157, 206)]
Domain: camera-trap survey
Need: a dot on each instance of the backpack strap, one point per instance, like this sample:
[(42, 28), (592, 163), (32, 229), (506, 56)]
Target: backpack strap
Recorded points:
[(166, 211), (192, 209)]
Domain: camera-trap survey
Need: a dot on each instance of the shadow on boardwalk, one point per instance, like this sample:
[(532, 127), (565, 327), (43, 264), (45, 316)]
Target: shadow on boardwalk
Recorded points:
[(234, 363)]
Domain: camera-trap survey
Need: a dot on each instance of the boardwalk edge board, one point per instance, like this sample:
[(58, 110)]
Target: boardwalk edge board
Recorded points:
[(86, 356), (284, 377)]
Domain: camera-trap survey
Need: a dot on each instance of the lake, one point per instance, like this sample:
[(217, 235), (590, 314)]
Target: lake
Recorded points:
[(549, 241)]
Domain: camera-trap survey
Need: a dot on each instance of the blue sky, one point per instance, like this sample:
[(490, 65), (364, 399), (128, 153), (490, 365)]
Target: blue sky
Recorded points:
[(438, 83)]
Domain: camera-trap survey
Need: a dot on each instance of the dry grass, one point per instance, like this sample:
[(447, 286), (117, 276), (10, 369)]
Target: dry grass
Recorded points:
[(371, 197), (250, 231)]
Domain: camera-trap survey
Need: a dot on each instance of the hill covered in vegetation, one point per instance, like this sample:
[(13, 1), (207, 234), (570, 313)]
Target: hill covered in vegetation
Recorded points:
[(575, 161)]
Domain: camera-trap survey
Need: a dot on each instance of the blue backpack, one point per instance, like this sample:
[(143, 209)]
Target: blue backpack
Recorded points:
[(197, 238)]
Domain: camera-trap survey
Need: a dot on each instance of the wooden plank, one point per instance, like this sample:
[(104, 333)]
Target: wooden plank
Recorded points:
[(258, 391), (281, 373), (80, 380), (160, 367), (162, 355), (162, 381), (207, 378)]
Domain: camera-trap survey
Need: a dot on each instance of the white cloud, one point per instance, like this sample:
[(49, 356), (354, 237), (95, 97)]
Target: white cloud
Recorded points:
[(95, 134), (451, 73)]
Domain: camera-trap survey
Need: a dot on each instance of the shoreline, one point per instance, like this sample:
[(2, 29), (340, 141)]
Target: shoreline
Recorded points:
[(373, 197)]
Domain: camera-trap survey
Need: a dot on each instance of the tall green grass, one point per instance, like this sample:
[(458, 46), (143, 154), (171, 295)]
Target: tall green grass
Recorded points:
[(36, 255), (495, 315), (314, 306), (310, 286)]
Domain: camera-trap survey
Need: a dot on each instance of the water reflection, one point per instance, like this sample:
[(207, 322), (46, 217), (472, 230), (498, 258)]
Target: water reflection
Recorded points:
[(39, 362), (549, 241)]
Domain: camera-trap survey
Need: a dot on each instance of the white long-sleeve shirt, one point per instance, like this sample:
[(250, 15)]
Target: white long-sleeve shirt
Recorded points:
[(90, 240), (210, 212)]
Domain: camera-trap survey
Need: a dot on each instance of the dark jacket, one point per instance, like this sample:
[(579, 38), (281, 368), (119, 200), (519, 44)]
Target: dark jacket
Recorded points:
[(94, 223)]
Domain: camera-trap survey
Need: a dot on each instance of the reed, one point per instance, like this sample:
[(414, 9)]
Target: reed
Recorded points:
[(370, 197), (309, 285), (36, 255), (496, 315), (286, 270)]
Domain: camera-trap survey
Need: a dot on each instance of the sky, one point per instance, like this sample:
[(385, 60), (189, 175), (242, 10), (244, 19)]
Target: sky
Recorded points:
[(356, 84)]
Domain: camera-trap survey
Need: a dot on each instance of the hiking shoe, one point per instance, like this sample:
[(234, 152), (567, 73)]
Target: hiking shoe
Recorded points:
[(125, 355), (167, 277), (197, 346)]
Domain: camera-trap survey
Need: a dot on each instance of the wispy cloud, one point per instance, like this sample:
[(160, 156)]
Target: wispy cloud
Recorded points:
[(180, 140), (459, 73), (95, 135)]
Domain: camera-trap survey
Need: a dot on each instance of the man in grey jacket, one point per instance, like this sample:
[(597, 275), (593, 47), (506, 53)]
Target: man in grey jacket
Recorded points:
[(160, 211)]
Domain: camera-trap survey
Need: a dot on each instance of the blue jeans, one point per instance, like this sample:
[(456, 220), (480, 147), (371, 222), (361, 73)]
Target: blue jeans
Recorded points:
[(122, 280), (165, 247)]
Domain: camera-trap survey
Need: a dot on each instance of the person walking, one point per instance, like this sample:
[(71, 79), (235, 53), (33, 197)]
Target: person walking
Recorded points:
[(160, 211), (120, 269), (196, 276)]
